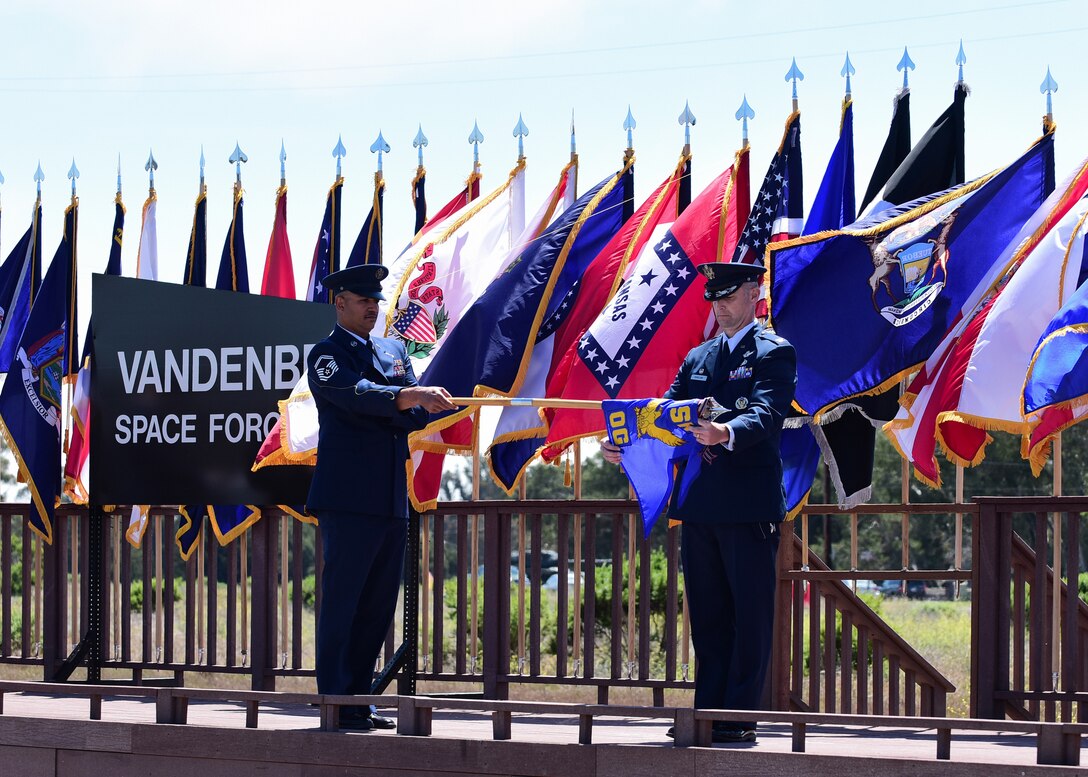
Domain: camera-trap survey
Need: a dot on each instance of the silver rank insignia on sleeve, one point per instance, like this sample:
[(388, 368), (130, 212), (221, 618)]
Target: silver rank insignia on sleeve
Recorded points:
[(325, 367)]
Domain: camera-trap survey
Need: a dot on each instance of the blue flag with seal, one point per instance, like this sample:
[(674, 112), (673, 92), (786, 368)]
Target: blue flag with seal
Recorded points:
[(654, 436), (233, 271), (867, 304), (30, 401), (20, 277)]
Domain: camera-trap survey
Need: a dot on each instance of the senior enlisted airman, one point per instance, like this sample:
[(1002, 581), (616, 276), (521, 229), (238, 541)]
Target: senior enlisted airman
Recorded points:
[(732, 512), (367, 402)]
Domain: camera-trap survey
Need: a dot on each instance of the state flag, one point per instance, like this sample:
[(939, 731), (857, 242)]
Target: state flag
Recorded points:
[(867, 304), (30, 400), (20, 277), (279, 271), (635, 346)]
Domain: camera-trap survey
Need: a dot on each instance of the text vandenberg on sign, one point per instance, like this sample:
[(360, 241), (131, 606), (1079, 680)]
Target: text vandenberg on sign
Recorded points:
[(185, 387)]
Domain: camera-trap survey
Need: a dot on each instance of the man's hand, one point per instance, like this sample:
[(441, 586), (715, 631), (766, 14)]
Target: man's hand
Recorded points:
[(433, 399), (610, 452), (711, 433)]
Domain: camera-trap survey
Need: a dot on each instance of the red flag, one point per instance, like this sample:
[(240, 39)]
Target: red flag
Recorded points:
[(657, 315), (279, 274)]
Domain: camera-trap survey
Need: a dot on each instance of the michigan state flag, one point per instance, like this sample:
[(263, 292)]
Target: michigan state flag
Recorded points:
[(869, 303), (30, 401)]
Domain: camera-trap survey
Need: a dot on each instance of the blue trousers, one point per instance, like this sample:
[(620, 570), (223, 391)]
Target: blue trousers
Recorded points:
[(729, 581), (364, 559)]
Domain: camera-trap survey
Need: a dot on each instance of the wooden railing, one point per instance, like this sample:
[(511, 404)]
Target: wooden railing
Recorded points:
[(475, 617), (1031, 628)]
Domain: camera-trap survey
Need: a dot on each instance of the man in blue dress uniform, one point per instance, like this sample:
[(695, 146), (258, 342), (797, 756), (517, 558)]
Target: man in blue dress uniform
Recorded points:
[(732, 512), (367, 402)]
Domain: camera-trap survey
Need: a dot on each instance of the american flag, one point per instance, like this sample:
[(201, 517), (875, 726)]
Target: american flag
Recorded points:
[(778, 212), (415, 324)]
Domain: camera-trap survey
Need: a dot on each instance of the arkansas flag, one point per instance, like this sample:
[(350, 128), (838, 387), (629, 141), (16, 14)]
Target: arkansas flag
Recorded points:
[(636, 345), (521, 431)]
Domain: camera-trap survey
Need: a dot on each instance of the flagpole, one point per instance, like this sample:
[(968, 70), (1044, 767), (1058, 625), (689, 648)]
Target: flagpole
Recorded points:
[(744, 112), (575, 404), (475, 138), (794, 75)]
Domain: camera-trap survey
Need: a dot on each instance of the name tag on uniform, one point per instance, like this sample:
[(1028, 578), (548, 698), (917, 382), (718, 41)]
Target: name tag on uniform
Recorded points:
[(698, 376), (740, 373), (398, 368)]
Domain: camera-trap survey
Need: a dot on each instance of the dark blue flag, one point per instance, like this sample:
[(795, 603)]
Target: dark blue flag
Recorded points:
[(30, 401), (368, 246), (870, 302), (233, 270), (327, 249), (833, 209), (20, 277), (196, 258)]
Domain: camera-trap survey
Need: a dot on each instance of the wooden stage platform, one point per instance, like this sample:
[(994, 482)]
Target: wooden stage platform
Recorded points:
[(51, 736)]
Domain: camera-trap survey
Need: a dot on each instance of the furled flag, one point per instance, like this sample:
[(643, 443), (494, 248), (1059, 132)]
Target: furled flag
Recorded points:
[(419, 197), (327, 249), (778, 211), (77, 463), (233, 271), (196, 258), (895, 149), (228, 521), (30, 400), (279, 272), (935, 164), (294, 438), (430, 446), (368, 246), (869, 303), (901, 175), (522, 431), (20, 277), (147, 256), (635, 346), (833, 208), (147, 267), (973, 382), (1055, 394), (655, 435), (489, 351)]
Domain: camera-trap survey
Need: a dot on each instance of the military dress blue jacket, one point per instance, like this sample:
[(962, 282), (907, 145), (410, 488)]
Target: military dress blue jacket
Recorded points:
[(755, 384), (362, 445)]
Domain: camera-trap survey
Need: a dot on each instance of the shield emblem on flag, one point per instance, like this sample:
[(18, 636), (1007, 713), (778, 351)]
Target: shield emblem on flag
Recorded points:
[(415, 324)]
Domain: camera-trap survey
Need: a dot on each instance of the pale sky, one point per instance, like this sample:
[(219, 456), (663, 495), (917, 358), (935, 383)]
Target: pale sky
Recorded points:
[(94, 80)]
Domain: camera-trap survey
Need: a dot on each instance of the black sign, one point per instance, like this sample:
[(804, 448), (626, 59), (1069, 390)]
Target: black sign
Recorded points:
[(185, 385)]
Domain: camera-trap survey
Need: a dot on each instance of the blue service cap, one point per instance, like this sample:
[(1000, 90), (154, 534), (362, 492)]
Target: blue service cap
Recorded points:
[(724, 278), (364, 280)]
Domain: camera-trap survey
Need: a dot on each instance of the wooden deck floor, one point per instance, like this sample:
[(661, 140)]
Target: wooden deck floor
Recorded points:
[(52, 736)]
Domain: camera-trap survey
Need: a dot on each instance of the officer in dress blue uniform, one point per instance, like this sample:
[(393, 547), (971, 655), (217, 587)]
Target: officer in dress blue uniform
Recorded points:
[(732, 512), (367, 402)]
